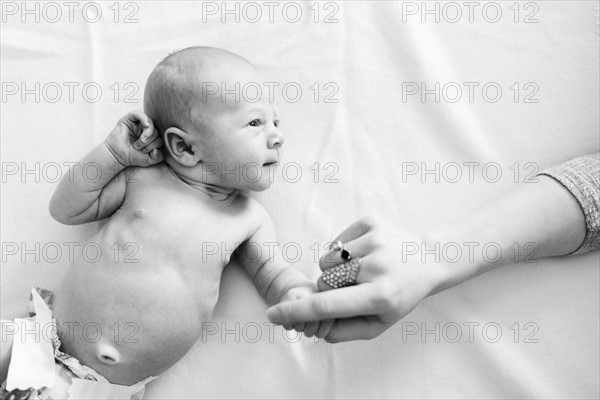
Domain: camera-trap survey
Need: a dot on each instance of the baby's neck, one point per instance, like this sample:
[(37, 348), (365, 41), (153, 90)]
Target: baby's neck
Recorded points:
[(215, 192)]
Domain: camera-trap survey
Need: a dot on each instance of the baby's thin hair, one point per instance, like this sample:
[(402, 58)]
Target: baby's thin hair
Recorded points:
[(173, 88)]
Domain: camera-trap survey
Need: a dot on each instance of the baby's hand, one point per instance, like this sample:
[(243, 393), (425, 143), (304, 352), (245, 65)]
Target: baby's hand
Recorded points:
[(134, 141), (321, 329)]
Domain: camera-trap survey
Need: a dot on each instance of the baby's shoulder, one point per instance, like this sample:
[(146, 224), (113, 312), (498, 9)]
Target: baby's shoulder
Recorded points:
[(248, 205), (254, 212)]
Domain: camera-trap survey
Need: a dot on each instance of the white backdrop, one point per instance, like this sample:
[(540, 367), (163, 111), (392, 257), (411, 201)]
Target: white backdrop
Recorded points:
[(525, 331)]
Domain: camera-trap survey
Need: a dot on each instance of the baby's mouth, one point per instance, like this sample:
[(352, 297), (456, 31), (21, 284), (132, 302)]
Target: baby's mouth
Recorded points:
[(276, 162)]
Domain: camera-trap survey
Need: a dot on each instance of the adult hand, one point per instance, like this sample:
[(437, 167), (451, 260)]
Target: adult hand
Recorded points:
[(396, 272), (387, 288)]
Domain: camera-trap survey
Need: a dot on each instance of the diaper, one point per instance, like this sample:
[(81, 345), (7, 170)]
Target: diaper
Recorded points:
[(39, 370)]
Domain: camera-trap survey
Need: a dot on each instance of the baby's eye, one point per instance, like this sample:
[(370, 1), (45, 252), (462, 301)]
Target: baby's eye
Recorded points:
[(276, 123), (254, 123)]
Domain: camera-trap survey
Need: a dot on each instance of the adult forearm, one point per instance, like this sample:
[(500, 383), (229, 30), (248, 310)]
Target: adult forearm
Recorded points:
[(535, 220)]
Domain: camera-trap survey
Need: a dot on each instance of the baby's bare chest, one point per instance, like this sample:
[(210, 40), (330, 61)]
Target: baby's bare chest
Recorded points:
[(176, 227)]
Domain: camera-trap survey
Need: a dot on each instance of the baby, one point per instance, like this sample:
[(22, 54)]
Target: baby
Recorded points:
[(168, 211)]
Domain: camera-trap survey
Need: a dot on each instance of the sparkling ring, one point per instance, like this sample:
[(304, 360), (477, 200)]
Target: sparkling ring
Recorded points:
[(342, 275), (339, 246), (346, 255)]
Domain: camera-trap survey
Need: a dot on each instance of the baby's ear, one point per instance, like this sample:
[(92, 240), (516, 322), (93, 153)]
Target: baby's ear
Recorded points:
[(179, 146)]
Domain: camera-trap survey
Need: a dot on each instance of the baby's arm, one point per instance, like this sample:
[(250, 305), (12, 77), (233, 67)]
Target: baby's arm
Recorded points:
[(95, 186), (275, 279)]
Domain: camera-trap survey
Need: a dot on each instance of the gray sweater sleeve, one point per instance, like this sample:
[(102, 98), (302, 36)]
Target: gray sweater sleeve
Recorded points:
[(581, 177)]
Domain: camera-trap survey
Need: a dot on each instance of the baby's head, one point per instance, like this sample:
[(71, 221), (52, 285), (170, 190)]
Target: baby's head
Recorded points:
[(216, 129)]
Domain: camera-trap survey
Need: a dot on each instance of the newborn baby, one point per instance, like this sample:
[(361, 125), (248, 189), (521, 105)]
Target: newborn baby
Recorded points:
[(168, 211)]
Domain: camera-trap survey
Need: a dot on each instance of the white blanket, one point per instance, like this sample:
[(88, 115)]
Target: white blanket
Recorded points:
[(513, 98)]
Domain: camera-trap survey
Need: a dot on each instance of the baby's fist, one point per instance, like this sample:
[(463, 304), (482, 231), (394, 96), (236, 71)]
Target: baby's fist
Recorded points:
[(134, 141), (298, 293), (320, 329)]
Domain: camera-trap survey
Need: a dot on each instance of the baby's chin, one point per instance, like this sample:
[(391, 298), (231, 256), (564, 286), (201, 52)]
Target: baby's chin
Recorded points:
[(258, 186), (265, 181), (261, 188)]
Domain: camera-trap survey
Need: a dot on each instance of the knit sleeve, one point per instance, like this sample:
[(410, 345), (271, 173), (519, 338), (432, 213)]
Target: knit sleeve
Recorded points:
[(581, 177)]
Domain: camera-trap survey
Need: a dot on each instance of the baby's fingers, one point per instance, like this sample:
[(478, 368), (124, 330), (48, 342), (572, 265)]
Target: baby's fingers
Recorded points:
[(143, 159), (148, 136), (321, 329), (299, 326), (156, 144), (156, 156), (311, 328), (134, 119), (139, 116)]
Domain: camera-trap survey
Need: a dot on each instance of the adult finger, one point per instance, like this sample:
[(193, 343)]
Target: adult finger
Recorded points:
[(357, 229), (358, 247), (341, 303), (359, 328)]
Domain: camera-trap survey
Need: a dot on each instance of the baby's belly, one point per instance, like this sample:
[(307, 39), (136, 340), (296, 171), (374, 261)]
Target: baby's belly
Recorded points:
[(155, 295)]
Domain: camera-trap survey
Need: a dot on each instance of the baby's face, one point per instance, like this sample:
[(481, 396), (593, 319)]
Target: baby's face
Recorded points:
[(240, 141)]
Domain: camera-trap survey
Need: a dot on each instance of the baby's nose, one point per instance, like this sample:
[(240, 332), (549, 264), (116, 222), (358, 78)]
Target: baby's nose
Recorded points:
[(276, 138)]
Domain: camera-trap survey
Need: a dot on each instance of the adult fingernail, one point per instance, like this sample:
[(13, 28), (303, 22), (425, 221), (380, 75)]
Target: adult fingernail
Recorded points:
[(144, 139), (330, 253)]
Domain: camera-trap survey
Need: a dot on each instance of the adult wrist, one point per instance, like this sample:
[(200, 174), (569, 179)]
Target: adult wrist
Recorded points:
[(463, 251)]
